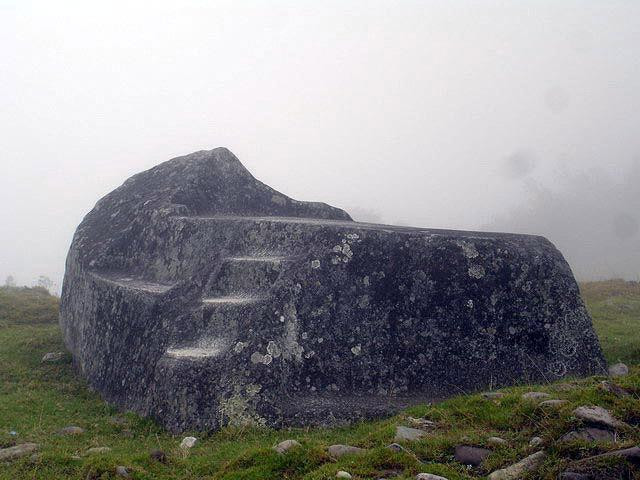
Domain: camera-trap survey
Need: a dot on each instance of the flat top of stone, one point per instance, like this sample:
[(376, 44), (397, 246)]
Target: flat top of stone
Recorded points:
[(354, 225)]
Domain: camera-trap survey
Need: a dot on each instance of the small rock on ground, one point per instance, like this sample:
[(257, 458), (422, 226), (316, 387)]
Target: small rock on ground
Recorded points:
[(338, 451), (408, 434), (343, 474), (588, 435), (574, 476), (158, 455), (17, 451), (71, 430), (597, 415), (286, 445), (516, 470), (188, 442), (535, 396), (536, 442), (396, 447), (618, 370), (422, 423), (468, 455), (492, 395), (122, 471), (97, 450), (553, 403), (52, 357), (496, 441), (632, 454), (615, 389), (429, 476)]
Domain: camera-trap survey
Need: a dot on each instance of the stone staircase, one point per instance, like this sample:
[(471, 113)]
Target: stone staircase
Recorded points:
[(239, 288)]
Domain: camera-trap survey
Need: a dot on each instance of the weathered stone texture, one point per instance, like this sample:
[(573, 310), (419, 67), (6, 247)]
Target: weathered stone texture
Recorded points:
[(199, 296)]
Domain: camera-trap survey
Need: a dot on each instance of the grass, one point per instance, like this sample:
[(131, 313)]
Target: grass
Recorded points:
[(615, 308), (38, 399), (27, 305)]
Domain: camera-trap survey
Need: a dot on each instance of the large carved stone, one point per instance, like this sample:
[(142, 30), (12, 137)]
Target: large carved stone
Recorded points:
[(197, 295)]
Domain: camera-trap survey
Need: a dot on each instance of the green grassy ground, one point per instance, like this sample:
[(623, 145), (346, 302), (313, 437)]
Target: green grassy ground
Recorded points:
[(36, 400), (615, 308)]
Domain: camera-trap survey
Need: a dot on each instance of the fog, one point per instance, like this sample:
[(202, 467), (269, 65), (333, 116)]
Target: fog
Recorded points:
[(473, 114)]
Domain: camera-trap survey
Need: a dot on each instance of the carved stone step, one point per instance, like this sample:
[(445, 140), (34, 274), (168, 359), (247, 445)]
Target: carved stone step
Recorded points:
[(205, 348), (247, 274), (134, 284), (232, 300)]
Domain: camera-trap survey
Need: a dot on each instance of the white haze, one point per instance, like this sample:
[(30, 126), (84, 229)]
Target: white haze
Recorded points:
[(466, 114)]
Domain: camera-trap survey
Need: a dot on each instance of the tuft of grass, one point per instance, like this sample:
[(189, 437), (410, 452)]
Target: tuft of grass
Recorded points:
[(38, 399)]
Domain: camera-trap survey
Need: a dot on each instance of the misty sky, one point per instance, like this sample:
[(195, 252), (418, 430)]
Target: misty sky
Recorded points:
[(465, 114)]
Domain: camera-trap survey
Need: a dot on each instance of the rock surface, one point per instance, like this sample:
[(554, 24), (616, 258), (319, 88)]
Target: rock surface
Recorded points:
[(200, 296)]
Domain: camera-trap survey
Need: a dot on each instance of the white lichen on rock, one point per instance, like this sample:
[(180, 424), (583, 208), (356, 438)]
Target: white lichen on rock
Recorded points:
[(476, 271)]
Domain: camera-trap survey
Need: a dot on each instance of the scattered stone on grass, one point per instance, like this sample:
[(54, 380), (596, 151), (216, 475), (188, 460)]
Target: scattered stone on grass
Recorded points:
[(158, 455), (408, 434), (615, 389), (188, 442), (497, 441), (338, 451), (597, 415), (588, 435), (97, 450), (517, 470), (396, 447), (574, 476), (468, 455), (632, 454), (422, 423), (553, 403), (286, 445), (52, 357), (535, 396), (343, 474), (122, 471), (17, 451), (492, 395), (71, 430), (429, 476), (536, 442), (618, 370)]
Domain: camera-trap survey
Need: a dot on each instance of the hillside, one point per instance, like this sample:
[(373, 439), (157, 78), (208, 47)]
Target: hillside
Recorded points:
[(40, 398)]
